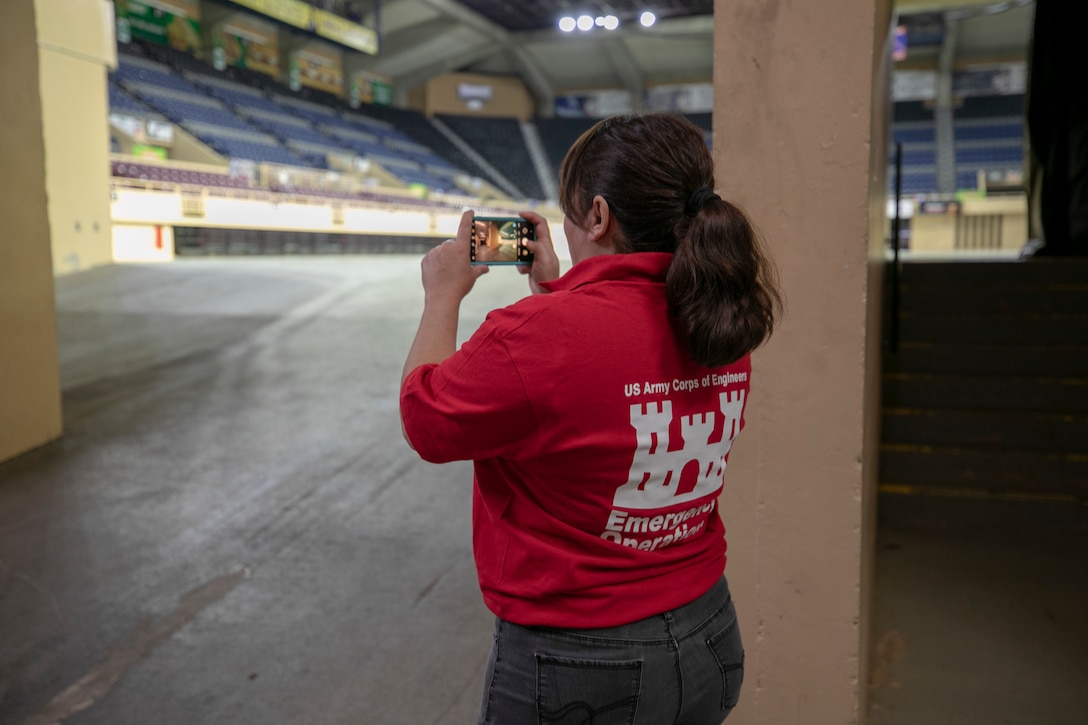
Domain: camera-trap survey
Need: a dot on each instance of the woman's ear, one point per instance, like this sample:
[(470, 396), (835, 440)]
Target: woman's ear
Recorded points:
[(601, 224)]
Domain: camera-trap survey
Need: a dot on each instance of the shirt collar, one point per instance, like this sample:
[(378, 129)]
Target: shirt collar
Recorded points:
[(647, 266)]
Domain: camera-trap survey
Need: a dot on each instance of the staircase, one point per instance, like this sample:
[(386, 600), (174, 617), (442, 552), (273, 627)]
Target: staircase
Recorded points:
[(987, 394)]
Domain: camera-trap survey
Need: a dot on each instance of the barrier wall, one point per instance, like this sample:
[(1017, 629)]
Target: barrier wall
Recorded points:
[(141, 218), (992, 224)]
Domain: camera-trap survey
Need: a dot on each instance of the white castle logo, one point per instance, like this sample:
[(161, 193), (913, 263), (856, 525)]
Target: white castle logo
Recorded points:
[(660, 477)]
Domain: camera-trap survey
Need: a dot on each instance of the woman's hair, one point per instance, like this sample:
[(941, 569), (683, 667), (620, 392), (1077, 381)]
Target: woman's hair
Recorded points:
[(656, 174)]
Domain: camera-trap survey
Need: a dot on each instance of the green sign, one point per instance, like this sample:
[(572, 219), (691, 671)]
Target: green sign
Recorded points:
[(370, 88), (144, 151), (166, 23), (382, 93)]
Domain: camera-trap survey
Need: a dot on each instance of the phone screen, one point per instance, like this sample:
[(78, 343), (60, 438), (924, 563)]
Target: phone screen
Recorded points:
[(501, 240)]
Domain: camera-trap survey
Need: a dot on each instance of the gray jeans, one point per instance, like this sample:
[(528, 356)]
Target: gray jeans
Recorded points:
[(681, 667)]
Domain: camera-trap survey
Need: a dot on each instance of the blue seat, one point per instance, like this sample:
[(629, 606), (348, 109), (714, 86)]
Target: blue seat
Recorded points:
[(919, 158), (914, 135), (915, 183), (985, 133), (991, 155)]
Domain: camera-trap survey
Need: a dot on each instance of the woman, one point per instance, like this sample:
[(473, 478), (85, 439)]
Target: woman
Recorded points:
[(600, 433)]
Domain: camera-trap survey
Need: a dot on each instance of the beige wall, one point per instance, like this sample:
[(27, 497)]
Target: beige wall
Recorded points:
[(795, 130), (510, 98), (29, 378), (75, 44)]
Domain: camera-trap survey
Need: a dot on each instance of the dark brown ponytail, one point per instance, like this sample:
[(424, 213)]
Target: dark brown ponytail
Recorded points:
[(656, 174), (720, 287)]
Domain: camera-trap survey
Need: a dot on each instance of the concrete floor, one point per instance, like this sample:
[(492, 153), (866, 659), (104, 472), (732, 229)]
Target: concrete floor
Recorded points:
[(233, 531), (981, 614)]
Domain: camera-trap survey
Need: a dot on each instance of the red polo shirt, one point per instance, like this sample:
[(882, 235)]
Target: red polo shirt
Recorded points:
[(599, 448)]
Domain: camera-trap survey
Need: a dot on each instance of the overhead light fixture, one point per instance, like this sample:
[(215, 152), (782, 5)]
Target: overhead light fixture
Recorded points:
[(587, 22), (647, 19)]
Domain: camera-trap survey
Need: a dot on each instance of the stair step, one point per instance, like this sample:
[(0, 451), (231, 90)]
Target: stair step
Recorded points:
[(972, 275), (994, 300), (994, 471), (1056, 361), (986, 430), (1068, 329), (982, 392), (987, 393)]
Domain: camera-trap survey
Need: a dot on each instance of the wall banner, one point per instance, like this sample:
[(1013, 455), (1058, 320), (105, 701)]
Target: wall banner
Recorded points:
[(345, 32), (319, 67), (292, 12), (370, 88), (243, 41), (169, 22)]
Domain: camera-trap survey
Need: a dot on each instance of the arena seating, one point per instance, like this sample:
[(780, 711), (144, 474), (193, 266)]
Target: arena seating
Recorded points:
[(702, 120), (384, 143), (913, 126), (244, 114), (706, 123), (989, 137), (559, 134), (206, 117), (241, 114), (501, 142), (121, 101), (414, 125)]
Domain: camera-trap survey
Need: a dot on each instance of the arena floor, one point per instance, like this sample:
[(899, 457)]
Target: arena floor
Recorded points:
[(232, 529)]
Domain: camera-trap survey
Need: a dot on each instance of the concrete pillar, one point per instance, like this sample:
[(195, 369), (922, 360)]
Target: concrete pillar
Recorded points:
[(800, 141), (29, 379), (943, 121), (75, 47)]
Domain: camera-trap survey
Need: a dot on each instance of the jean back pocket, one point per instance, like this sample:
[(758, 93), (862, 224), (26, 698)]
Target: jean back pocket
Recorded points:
[(579, 692)]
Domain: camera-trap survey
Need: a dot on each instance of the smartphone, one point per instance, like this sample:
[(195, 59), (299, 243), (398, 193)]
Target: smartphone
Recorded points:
[(501, 240)]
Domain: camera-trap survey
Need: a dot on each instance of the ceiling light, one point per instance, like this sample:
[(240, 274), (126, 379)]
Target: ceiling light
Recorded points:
[(567, 24), (599, 22), (647, 19), (585, 22), (611, 22)]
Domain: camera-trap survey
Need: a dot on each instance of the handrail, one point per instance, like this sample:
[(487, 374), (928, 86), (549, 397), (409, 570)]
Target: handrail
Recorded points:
[(893, 323)]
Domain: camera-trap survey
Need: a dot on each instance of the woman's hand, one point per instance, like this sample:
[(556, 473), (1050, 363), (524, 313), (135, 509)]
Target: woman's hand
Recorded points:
[(545, 266), (448, 275)]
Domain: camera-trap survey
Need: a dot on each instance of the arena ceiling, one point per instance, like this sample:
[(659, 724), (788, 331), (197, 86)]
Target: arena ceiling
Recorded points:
[(425, 38)]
